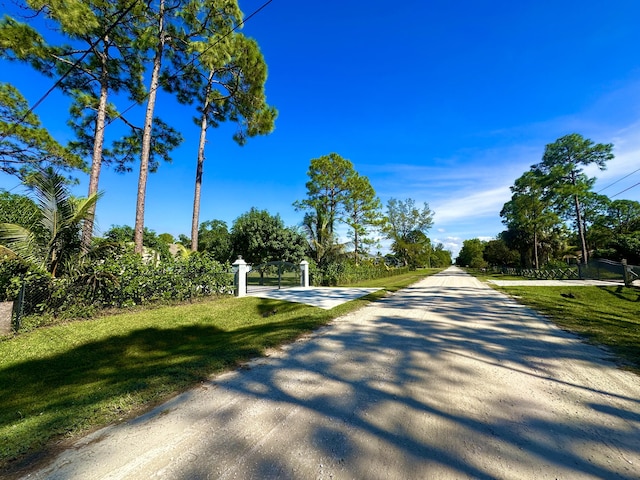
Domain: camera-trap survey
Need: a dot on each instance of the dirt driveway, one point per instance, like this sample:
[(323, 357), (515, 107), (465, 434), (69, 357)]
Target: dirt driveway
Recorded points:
[(446, 379)]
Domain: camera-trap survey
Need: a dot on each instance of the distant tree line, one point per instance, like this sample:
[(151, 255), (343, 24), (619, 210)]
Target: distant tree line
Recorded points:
[(554, 217), (343, 223)]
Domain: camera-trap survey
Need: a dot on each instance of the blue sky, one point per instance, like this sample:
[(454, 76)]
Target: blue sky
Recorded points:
[(442, 102)]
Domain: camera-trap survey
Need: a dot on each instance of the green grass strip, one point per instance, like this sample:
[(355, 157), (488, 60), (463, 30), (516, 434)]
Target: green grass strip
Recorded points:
[(608, 316), (62, 381)]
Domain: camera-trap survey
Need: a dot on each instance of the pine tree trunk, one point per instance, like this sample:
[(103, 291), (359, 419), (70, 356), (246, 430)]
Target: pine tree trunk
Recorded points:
[(535, 249), (355, 243), (581, 233), (195, 219), (146, 135), (96, 159)]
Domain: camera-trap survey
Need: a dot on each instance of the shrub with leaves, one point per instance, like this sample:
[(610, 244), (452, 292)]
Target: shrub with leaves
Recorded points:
[(346, 273), (115, 278)]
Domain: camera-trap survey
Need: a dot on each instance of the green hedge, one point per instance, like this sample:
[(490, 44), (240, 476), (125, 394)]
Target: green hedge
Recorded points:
[(348, 273), (120, 279)]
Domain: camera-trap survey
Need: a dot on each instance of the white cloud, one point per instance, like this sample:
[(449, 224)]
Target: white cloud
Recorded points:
[(475, 205)]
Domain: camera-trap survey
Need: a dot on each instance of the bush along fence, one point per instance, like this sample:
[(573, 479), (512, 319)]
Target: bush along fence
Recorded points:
[(344, 273), (121, 281), (598, 269)]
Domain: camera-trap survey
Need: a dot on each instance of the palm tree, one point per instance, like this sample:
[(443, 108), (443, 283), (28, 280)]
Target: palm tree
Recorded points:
[(56, 237), (323, 245)]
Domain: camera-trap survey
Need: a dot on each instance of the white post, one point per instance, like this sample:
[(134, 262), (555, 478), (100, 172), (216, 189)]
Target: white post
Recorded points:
[(626, 273), (304, 274), (240, 269)]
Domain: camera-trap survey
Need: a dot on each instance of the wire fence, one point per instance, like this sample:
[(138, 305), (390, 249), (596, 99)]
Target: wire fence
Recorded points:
[(598, 269)]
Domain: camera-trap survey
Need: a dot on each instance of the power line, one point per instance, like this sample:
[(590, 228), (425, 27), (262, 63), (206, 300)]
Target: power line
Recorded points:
[(632, 186), (619, 180)]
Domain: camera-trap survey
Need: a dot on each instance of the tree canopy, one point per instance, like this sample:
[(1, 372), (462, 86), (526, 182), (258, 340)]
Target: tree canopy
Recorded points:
[(260, 237), (562, 173), (403, 221), (529, 214), (555, 216), (338, 194), (26, 146), (215, 239), (472, 254)]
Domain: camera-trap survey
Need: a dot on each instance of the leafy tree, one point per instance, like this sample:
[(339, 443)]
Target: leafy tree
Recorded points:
[(440, 257), (323, 247), (125, 234), (184, 240), (403, 219), (361, 212), (496, 252), (417, 249), (57, 240), (562, 170), (19, 209), (327, 190), (593, 207), (615, 231), (166, 238), (25, 146), (628, 246), (529, 213), (215, 240), (471, 254), (260, 237), (622, 216)]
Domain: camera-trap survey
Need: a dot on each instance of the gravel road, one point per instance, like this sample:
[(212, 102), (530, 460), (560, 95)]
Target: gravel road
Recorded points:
[(447, 379)]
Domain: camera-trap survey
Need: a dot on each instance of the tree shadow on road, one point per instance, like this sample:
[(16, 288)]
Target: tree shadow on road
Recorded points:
[(405, 393)]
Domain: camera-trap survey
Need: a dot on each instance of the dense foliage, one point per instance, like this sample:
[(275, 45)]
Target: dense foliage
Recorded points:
[(50, 236), (260, 237), (348, 272), (119, 279)]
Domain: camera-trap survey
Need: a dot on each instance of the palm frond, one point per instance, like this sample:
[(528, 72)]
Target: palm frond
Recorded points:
[(21, 242)]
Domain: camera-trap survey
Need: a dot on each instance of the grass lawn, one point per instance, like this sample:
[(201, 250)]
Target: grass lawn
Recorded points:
[(608, 316), (59, 382)]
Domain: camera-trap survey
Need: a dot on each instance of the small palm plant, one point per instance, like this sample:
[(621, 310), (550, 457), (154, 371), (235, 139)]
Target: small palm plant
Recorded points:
[(56, 237)]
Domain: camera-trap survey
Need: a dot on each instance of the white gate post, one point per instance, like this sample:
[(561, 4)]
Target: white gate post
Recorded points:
[(304, 274), (626, 273), (240, 269)]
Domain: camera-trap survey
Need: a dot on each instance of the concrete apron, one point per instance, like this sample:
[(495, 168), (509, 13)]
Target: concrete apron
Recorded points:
[(321, 297)]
